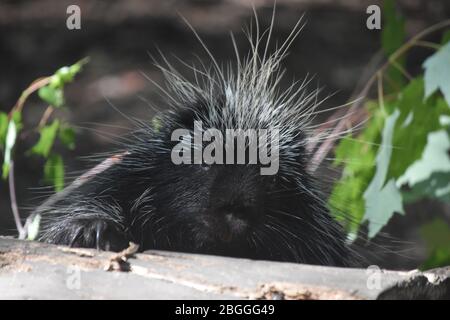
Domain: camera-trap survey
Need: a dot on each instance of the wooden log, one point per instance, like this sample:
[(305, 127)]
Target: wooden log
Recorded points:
[(32, 270)]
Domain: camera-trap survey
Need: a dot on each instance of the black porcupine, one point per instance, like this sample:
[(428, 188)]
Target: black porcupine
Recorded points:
[(140, 195)]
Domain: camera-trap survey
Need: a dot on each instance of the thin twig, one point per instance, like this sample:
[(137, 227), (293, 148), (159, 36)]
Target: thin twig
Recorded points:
[(427, 44), (326, 146), (405, 73), (15, 210), (340, 113), (48, 112), (380, 92), (35, 85)]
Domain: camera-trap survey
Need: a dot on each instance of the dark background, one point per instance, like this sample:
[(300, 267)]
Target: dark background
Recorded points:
[(120, 35)]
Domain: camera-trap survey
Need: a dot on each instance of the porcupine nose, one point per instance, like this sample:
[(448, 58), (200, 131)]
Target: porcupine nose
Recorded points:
[(236, 220), (237, 214), (234, 200)]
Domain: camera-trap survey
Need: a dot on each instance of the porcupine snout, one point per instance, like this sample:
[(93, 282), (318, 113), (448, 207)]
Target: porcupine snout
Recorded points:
[(236, 199)]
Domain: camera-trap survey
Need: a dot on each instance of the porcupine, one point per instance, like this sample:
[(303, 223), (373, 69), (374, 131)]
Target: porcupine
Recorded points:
[(140, 195)]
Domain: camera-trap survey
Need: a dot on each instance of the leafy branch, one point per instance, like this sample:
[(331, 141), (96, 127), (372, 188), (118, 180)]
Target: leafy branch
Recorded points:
[(345, 120), (402, 153), (51, 90)]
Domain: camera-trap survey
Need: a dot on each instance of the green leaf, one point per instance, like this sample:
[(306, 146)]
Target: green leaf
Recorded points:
[(67, 136), (435, 158), (66, 74), (439, 257), (13, 127), (53, 93), (381, 204), (357, 155), (392, 38), (436, 187), (430, 176), (11, 136), (347, 204), (53, 96), (446, 37), (437, 73), (54, 171), (417, 118), (46, 140), (395, 80), (382, 201), (3, 128), (437, 237), (393, 31)]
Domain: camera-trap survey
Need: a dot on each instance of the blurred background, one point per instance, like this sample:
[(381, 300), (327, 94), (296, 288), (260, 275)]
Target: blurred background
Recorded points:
[(119, 36)]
